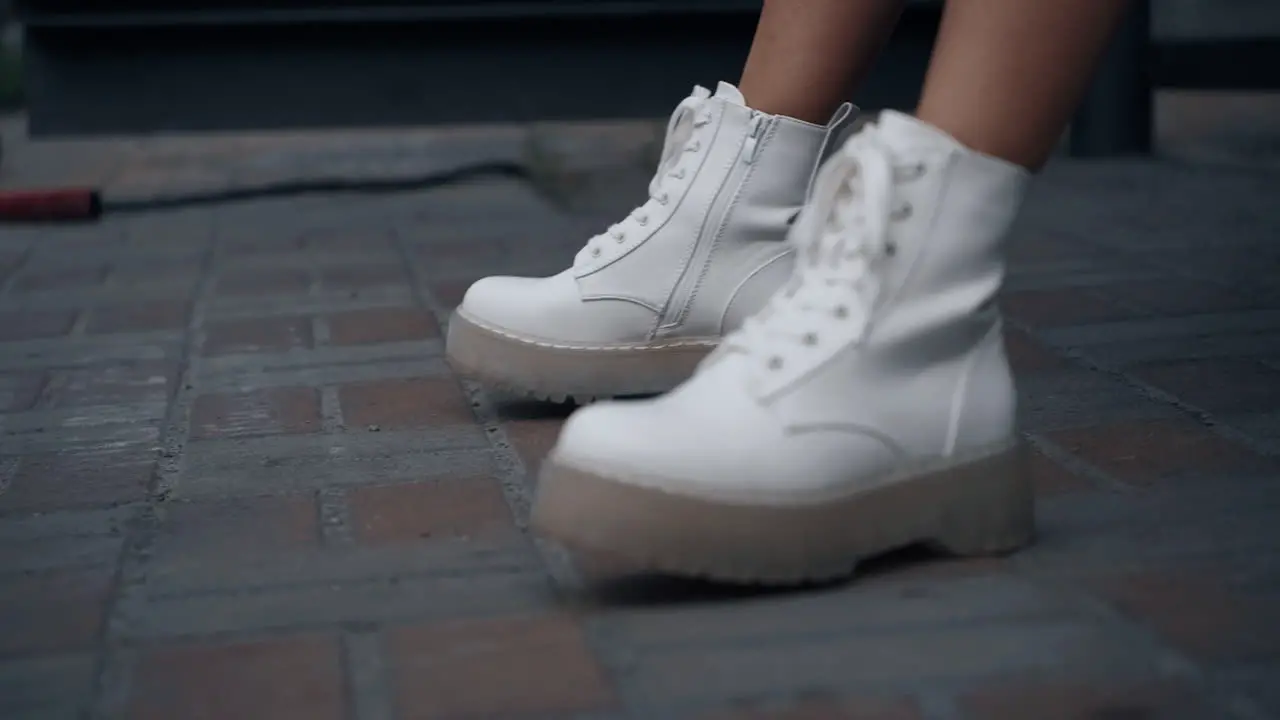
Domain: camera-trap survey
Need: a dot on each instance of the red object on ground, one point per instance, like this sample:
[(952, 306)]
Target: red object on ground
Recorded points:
[(60, 204)]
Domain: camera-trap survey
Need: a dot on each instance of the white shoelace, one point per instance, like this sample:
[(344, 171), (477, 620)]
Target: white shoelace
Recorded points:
[(841, 239), (689, 115)]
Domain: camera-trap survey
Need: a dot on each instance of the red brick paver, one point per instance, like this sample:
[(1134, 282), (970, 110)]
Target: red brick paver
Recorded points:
[(1143, 453), (390, 404), (490, 668), (240, 281), (137, 317), (446, 509), (290, 679), (54, 611), (268, 412), (257, 335), (1200, 614), (381, 325)]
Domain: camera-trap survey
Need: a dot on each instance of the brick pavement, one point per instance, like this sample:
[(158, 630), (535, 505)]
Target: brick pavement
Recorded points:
[(237, 479)]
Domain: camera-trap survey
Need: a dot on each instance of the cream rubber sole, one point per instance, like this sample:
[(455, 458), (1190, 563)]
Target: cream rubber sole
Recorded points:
[(981, 507), (560, 371)]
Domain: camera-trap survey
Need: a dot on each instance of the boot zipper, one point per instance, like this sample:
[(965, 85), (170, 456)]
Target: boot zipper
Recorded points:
[(713, 225), (752, 144)]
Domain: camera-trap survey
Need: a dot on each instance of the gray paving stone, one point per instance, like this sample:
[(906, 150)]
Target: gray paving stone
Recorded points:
[(317, 358), (50, 353), (1264, 427), (878, 606), (75, 523), (1257, 685), (1059, 276), (357, 587), (323, 303), (1196, 523), (1190, 329), (160, 291), (904, 659), (48, 688), (1121, 352), (331, 257), (73, 420), (57, 553), (1076, 398), (89, 437), (181, 570), (263, 466), (234, 377)]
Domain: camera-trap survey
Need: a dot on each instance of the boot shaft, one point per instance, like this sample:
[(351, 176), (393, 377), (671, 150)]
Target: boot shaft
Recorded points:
[(708, 250)]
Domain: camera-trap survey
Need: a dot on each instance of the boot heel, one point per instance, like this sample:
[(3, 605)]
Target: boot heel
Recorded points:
[(990, 509)]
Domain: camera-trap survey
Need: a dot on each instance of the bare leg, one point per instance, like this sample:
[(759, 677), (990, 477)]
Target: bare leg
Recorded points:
[(808, 55), (1006, 75)]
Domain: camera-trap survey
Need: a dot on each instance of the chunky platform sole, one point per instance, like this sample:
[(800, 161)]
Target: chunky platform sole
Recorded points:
[(559, 372), (983, 506)]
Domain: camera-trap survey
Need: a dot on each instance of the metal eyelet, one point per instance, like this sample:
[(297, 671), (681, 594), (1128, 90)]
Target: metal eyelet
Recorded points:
[(842, 312), (775, 363), (810, 339)]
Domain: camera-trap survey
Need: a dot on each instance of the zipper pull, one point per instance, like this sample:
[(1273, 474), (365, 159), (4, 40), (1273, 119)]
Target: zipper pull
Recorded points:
[(752, 145)]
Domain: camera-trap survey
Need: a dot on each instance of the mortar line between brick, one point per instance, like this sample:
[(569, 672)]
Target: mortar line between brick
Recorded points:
[(116, 681), (368, 682), (331, 417), (934, 704), (110, 275), (126, 601), (1060, 455), (80, 323), (24, 259), (321, 333), (8, 469), (511, 471), (335, 517), (331, 503), (314, 286)]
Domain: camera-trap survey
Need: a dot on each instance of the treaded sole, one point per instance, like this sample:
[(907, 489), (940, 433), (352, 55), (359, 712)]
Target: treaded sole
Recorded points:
[(562, 372), (980, 507)]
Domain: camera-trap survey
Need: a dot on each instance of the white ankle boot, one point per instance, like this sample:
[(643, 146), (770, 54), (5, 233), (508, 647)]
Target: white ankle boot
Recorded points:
[(868, 407), (645, 301)]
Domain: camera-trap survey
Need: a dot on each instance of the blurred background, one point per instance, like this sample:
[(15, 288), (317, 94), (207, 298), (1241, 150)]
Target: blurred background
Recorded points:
[(1210, 67)]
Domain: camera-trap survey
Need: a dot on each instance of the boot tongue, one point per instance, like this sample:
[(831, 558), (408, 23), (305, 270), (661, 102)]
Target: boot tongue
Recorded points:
[(902, 130), (729, 93)]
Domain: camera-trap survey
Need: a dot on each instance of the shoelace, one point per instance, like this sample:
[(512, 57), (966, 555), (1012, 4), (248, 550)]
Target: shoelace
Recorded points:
[(689, 115), (840, 239)]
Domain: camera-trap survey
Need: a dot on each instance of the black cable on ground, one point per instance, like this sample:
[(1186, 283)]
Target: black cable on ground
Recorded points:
[(88, 205)]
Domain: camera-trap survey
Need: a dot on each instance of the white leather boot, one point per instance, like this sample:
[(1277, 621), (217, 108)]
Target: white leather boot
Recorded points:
[(646, 300), (868, 407)]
